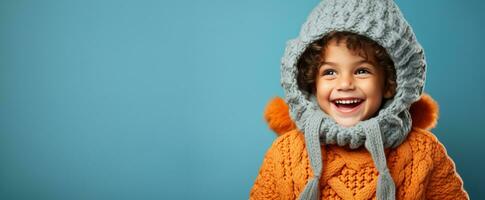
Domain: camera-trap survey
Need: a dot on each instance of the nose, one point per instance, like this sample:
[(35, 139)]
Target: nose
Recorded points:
[(345, 82)]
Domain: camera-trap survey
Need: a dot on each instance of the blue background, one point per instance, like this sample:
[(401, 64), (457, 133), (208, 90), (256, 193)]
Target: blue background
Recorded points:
[(164, 100)]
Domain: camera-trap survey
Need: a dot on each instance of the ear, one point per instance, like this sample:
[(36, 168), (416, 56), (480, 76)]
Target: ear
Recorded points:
[(388, 94), (390, 90)]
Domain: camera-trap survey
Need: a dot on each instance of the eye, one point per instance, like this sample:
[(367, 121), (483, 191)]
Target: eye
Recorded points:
[(362, 71), (328, 72)]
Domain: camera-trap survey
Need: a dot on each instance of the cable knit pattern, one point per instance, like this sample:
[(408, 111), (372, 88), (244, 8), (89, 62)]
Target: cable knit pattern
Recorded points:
[(420, 166)]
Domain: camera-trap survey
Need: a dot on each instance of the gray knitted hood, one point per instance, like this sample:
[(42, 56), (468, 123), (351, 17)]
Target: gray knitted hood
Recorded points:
[(381, 21)]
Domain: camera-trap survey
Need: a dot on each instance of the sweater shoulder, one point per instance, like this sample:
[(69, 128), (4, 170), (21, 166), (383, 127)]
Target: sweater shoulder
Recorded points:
[(289, 148), (419, 136), (292, 140), (423, 144)]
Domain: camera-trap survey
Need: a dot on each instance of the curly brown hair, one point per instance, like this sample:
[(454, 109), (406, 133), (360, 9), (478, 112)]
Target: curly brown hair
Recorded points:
[(313, 57)]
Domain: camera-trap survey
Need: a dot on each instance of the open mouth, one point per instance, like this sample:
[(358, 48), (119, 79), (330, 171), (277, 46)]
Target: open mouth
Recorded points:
[(347, 106)]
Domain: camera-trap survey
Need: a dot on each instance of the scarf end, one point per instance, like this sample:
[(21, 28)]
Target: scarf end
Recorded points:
[(311, 191)]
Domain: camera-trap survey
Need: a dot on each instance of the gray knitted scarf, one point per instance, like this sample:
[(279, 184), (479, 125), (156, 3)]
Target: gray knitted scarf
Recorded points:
[(381, 21)]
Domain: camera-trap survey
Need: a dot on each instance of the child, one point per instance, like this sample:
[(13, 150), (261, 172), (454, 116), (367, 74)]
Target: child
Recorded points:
[(359, 126)]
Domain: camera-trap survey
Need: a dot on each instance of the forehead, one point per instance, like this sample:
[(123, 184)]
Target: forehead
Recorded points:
[(342, 49)]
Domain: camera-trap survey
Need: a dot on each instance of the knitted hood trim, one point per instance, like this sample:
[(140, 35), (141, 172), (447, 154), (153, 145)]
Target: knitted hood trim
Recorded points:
[(424, 113)]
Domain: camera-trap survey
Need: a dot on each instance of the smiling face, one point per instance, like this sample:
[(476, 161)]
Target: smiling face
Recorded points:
[(349, 88)]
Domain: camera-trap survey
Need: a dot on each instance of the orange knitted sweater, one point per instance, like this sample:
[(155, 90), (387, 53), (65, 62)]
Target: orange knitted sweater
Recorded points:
[(420, 166)]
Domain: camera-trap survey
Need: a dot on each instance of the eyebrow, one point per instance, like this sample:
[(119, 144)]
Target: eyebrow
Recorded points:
[(354, 63)]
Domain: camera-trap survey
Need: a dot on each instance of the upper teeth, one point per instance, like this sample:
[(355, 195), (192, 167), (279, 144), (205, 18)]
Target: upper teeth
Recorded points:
[(348, 101)]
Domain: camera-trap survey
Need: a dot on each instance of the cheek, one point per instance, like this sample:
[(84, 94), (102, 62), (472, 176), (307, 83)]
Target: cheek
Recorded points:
[(373, 88), (323, 95), (323, 89)]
